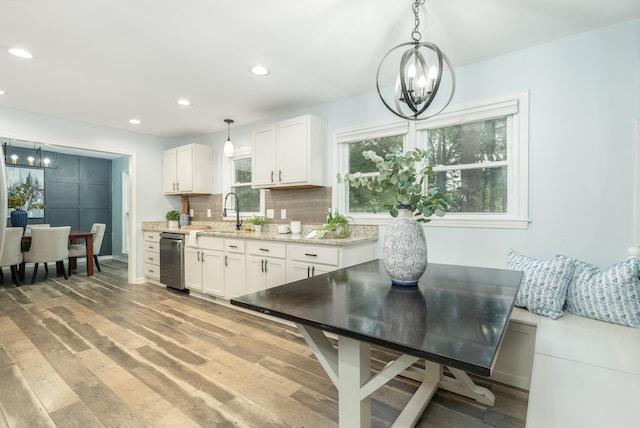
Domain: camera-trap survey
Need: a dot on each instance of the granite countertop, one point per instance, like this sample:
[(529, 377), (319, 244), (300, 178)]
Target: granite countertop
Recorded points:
[(357, 233)]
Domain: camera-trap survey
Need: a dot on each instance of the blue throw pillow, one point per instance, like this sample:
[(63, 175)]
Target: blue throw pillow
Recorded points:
[(611, 294), (544, 285)]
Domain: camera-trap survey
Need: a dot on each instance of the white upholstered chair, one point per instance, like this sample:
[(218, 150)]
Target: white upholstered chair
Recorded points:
[(12, 252), (80, 250), (30, 227), (48, 245)]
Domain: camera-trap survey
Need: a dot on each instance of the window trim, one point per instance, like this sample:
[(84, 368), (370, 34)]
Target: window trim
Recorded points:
[(514, 106), (240, 153)]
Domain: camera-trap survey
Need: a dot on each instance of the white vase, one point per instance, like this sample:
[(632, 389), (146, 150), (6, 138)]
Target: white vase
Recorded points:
[(404, 250), (173, 224)]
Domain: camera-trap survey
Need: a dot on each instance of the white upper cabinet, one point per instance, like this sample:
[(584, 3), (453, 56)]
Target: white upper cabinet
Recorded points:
[(188, 169), (290, 153)]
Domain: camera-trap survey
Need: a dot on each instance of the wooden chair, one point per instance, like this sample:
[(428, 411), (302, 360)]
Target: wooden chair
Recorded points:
[(12, 252), (80, 250), (48, 245)]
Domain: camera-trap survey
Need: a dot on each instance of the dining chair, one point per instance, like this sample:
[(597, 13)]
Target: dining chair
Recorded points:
[(27, 232), (48, 245), (30, 227), (12, 252), (80, 250)]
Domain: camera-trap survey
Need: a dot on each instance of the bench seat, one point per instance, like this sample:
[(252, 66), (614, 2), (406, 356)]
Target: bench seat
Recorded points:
[(585, 373)]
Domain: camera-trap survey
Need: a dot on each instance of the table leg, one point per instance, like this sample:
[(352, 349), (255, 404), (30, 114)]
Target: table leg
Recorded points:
[(73, 261), (460, 383), (89, 244), (354, 369)]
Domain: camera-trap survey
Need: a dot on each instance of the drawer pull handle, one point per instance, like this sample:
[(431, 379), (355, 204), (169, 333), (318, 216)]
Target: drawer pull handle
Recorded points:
[(264, 249), (310, 255), (233, 246)]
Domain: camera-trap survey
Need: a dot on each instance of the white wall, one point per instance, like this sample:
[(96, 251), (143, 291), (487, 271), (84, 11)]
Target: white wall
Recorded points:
[(584, 102), (149, 202)]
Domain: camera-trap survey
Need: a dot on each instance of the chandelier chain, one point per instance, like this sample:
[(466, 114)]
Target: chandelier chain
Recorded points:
[(415, 35)]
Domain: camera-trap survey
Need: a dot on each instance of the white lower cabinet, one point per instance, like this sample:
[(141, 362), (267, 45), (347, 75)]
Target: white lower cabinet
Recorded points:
[(235, 268), (204, 267), (229, 268), (265, 265), (305, 261), (152, 256)]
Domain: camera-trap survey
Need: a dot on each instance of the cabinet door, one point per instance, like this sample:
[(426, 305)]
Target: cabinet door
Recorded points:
[(184, 167), (293, 143), (320, 269), (297, 271), (255, 274), (213, 272), (235, 275), (300, 270), (169, 172), (193, 269), (275, 270), (264, 157)]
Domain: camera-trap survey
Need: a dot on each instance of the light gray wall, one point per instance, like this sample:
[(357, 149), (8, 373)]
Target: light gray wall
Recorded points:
[(584, 102)]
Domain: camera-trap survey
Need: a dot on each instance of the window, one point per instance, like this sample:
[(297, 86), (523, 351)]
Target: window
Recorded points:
[(248, 198), (471, 161), (480, 157), (362, 200)]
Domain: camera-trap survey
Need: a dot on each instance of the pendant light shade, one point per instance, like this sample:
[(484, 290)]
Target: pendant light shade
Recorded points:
[(228, 145), (424, 77)]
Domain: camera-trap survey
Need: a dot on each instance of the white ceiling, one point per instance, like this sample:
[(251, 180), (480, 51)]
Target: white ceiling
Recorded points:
[(104, 62)]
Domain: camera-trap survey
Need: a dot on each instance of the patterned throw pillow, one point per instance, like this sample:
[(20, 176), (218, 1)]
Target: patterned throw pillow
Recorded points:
[(544, 285), (611, 294)]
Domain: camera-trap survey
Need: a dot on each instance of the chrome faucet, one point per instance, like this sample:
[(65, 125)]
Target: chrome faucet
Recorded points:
[(237, 209)]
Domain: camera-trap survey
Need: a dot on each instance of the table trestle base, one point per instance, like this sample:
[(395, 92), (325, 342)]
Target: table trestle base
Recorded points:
[(348, 367)]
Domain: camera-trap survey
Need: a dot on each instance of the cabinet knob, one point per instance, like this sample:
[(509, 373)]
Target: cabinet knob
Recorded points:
[(280, 176)]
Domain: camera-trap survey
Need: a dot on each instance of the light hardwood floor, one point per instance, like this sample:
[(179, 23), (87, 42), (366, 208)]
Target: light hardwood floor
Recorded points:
[(93, 352)]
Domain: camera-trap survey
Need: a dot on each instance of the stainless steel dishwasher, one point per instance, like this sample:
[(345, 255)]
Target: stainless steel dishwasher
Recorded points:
[(172, 260)]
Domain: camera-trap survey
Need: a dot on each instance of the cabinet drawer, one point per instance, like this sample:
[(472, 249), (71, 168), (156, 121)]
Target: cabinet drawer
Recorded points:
[(210, 243), (151, 247), (234, 245), (151, 258), (266, 248), (152, 236), (314, 254), (152, 271)]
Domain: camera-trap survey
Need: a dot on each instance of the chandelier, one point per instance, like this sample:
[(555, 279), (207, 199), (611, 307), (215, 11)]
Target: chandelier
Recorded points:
[(423, 78)]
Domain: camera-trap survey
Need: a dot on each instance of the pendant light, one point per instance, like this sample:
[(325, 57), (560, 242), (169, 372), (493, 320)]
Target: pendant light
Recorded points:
[(228, 145), (423, 76)]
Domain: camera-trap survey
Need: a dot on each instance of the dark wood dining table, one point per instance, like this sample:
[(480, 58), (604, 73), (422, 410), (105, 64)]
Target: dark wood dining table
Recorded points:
[(456, 318), (74, 237)]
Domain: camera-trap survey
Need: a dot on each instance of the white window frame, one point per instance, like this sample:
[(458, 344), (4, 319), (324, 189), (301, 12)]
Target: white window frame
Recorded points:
[(515, 107), (240, 153)]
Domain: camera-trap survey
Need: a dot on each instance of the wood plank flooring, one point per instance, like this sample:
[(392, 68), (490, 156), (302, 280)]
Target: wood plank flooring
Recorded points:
[(94, 352)]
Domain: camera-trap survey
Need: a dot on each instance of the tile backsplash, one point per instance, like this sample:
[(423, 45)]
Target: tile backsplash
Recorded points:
[(308, 205)]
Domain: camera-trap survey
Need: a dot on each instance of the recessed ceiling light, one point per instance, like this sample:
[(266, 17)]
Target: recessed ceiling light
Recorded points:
[(184, 102), (2, 92), (259, 70), (135, 121), (19, 52)]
